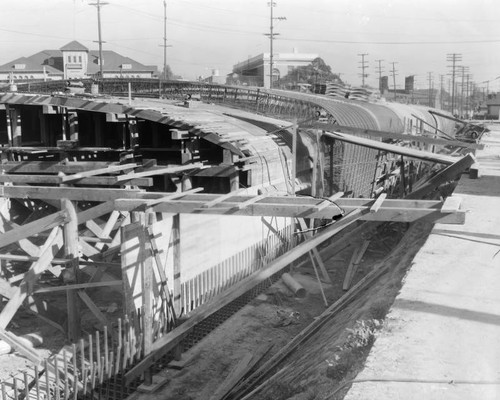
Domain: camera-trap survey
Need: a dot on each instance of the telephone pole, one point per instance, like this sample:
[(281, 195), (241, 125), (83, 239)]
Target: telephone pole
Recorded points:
[(453, 58), (441, 81), (363, 66), (430, 81), (379, 70), (98, 5), (271, 36), (394, 77), (164, 45)]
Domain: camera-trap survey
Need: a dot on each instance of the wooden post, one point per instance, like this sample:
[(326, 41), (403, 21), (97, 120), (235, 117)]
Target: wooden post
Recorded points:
[(70, 234), (73, 125), (176, 243), (14, 126)]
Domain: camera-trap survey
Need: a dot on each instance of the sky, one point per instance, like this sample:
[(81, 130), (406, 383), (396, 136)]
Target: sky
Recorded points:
[(205, 35)]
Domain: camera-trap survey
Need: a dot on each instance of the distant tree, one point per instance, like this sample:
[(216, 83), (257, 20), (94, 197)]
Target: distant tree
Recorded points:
[(316, 72)]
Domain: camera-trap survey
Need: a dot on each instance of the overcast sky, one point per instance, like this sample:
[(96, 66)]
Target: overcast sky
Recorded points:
[(216, 34)]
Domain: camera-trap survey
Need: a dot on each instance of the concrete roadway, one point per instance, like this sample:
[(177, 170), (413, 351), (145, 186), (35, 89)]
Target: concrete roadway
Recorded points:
[(441, 339)]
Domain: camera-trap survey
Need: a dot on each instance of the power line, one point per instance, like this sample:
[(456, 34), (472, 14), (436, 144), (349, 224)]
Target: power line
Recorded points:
[(363, 66)]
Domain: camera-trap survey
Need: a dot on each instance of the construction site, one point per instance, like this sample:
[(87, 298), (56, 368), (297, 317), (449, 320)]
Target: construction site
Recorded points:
[(202, 241)]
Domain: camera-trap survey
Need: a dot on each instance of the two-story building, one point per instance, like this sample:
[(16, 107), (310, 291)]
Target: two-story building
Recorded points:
[(73, 61)]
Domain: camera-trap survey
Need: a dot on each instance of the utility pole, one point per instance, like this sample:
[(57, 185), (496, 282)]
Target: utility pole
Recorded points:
[(98, 5), (271, 36), (164, 45), (453, 58), (467, 94), (394, 77), (379, 70), (441, 81), (430, 81), (464, 69), (363, 66)]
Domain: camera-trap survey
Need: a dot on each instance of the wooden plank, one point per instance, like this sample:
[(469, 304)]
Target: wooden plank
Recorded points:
[(95, 212), (327, 202), (357, 255), (235, 375), (55, 180), (405, 151), (451, 204), (314, 252), (378, 203), (98, 171), (32, 228), (449, 173), (222, 198), (93, 308), (71, 250), (176, 249), (251, 201), (20, 346), (76, 286), (171, 339), (48, 251), (396, 136), (160, 171), (173, 196), (52, 167), (70, 193)]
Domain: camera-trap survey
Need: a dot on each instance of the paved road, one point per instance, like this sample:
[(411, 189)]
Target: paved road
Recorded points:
[(442, 337)]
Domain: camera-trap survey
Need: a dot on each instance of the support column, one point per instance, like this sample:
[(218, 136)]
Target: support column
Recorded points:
[(176, 243), (73, 125), (70, 235), (14, 131)]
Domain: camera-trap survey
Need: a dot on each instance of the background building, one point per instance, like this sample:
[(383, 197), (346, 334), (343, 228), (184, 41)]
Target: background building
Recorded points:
[(73, 61), (256, 70)]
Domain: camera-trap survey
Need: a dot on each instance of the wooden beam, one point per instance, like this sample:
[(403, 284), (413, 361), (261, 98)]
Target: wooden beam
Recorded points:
[(451, 204), (93, 308), (71, 250), (20, 346), (90, 181), (395, 136), (222, 198), (48, 251), (77, 286), (378, 203), (391, 148), (53, 167), (95, 212), (447, 174), (33, 228), (251, 201), (99, 171), (171, 339), (357, 255), (160, 171), (70, 193)]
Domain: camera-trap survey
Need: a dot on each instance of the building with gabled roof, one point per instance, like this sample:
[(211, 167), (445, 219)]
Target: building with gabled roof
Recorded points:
[(73, 61)]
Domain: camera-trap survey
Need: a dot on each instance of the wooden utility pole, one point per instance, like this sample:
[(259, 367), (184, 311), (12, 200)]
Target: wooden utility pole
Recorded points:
[(379, 74), (98, 5), (394, 78), (430, 80), (271, 36), (453, 58), (363, 66)]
